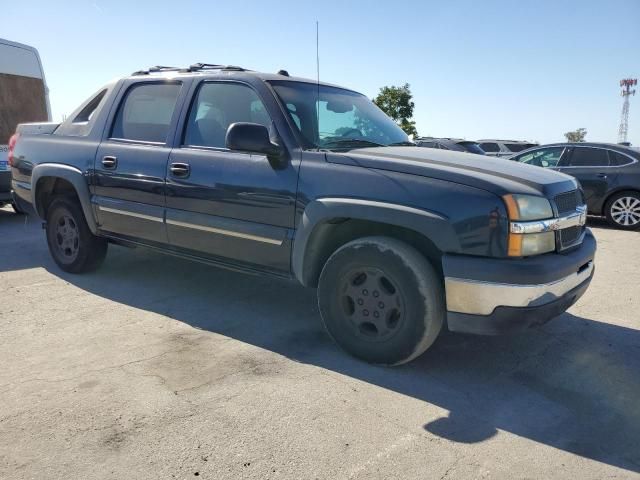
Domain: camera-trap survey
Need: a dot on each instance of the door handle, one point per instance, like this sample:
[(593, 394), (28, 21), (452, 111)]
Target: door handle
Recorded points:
[(181, 170), (109, 162), (602, 175)]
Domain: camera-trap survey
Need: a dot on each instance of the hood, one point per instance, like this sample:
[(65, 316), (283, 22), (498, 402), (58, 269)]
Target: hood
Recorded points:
[(496, 175)]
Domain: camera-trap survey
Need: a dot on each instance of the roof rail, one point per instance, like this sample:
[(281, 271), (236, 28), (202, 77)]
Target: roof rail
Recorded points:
[(213, 66), (157, 68), (191, 68)]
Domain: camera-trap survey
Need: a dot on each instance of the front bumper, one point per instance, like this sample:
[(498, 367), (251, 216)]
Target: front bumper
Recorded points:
[(492, 296)]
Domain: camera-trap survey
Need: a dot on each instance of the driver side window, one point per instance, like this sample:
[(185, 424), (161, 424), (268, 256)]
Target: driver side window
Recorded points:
[(545, 157), (218, 105)]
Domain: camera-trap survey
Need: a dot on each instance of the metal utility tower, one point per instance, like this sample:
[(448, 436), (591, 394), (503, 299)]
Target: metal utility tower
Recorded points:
[(626, 85)]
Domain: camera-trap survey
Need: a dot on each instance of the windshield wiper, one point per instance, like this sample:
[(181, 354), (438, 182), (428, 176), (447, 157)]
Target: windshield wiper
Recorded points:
[(351, 143), (402, 144)]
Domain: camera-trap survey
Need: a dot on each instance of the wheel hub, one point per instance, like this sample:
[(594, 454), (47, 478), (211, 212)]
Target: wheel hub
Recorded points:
[(67, 237), (372, 304), (626, 211)]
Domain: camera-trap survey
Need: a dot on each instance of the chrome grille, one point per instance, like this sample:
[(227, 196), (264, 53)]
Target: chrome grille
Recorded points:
[(568, 202)]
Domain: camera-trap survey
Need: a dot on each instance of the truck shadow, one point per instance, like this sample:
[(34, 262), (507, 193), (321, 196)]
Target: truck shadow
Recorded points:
[(573, 384)]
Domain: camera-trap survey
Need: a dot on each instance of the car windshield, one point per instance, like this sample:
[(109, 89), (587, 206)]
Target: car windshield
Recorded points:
[(337, 119)]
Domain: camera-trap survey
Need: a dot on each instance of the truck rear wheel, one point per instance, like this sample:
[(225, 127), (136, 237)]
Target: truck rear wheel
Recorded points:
[(72, 245), (381, 300)]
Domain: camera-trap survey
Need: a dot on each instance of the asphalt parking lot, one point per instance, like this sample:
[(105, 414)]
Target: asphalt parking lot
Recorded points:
[(155, 367)]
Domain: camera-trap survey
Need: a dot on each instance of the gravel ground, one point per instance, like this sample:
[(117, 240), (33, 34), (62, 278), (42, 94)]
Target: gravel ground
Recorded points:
[(155, 367)]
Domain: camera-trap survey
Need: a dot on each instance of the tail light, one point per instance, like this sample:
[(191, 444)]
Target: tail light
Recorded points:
[(12, 146)]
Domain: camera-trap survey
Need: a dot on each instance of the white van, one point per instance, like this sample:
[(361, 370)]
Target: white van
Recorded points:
[(24, 97)]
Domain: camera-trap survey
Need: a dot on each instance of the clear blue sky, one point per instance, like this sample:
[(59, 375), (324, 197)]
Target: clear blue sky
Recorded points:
[(508, 69)]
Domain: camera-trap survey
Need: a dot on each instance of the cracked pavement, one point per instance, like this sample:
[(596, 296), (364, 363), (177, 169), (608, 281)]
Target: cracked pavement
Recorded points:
[(156, 367)]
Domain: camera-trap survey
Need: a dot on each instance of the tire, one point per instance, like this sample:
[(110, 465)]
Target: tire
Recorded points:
[(17, 210), (381, 300), (71, 244), (623, 210)]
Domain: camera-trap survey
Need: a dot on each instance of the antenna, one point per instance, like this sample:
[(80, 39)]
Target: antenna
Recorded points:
[(626, 92), (318, 79)]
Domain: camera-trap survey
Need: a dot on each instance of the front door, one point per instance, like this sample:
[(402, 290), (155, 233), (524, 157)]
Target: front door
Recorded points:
[(130, 164), (233, 206), (546, 157)]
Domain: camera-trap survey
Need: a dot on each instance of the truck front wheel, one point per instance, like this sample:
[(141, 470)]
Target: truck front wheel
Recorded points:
[(72, 245), (381, 300)]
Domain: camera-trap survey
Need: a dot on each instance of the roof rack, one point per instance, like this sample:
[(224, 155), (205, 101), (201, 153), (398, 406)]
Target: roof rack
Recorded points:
[(191, 68), (212, 66), (157, 68)]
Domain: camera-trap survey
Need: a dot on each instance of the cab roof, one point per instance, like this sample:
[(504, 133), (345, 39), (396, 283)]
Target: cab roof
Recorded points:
[(215, 70)]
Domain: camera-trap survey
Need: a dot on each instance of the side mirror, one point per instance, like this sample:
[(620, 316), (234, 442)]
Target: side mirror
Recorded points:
[(253, 138)]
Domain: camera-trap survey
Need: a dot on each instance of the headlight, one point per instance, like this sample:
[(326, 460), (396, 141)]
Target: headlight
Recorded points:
[(529, 208)]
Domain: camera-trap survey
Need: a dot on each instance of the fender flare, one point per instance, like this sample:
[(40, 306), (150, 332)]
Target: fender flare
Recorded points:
[(432, 225), (72, 175)]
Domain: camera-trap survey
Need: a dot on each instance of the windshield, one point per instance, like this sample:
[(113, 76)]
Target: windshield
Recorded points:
[(337, 119)]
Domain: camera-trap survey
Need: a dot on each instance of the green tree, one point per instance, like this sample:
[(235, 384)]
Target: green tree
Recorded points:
[(577, 135), (398, 104)]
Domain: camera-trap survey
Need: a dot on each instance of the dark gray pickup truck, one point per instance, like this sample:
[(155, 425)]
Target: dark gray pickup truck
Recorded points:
[(270, 174)]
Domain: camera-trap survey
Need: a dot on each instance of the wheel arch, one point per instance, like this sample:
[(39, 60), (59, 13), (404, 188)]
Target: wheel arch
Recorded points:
[(49, 180), (329, 223)]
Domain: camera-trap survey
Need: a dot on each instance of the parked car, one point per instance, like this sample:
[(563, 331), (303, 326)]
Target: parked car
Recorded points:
[(504, 148), (23, 98), (455, 144), (282, 176), (609, 175)]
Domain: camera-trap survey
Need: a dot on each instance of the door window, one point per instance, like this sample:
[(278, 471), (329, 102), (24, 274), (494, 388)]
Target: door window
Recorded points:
[(516, 147), (589, 157), (490, 147), (145, 113), (618, 159), (545, 157), (218, 105)]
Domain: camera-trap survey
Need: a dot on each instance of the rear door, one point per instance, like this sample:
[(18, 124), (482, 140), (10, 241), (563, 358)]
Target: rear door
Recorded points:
[(225, 203), (591, 167), (130, 164)]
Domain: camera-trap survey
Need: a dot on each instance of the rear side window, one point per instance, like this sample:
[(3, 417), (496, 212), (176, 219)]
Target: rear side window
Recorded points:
[(618, 159), (589, 157), (87, 112), (146, 111), (490, 147), (218, 105)]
